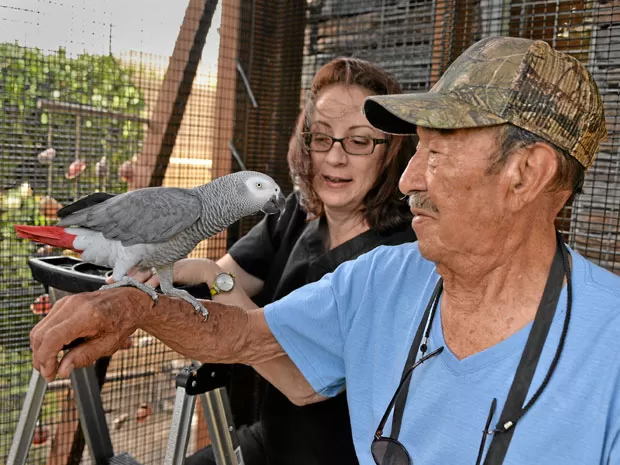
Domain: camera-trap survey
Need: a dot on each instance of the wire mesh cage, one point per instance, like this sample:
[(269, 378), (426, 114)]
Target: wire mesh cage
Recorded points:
[(78, 113), (78, 98)]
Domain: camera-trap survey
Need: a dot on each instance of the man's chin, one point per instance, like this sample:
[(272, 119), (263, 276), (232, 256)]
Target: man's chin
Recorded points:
[(428, 249), (429, 253)]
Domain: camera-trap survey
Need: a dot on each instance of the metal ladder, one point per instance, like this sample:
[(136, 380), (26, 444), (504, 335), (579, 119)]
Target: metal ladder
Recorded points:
[(206, 381)]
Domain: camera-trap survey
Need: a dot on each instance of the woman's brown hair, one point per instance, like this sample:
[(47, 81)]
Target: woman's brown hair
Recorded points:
[(383, 207)]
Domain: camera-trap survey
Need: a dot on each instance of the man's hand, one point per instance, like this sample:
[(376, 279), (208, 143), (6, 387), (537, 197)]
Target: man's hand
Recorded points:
[(104, 318)]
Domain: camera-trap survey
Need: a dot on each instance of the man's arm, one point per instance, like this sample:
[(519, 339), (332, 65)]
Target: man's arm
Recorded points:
[(106, 318)]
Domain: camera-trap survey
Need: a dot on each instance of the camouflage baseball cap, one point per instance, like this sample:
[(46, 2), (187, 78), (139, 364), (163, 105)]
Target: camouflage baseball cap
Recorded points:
[(505, 80)]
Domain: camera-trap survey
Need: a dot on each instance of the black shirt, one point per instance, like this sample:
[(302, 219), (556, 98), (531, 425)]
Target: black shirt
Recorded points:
[(287, 252)]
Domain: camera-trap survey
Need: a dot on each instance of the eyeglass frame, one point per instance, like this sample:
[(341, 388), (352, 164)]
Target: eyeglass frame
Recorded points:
[(375, 142)]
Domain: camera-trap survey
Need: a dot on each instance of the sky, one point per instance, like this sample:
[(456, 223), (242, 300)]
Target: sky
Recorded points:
[(98, 26)]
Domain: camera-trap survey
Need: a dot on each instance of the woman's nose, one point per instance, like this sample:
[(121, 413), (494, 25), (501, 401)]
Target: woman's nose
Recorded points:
[(336, 154)]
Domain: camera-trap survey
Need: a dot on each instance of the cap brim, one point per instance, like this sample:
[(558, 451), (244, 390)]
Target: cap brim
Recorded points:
[(400, 114)]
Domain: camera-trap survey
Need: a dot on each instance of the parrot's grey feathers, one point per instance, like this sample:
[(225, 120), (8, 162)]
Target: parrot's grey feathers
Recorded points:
[(146, 215), (154, 227)]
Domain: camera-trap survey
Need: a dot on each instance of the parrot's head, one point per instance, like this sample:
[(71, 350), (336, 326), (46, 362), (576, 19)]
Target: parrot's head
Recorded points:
[(264, 193)]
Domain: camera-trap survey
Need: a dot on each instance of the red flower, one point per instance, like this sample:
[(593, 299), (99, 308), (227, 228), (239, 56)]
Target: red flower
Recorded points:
[(41, 305)]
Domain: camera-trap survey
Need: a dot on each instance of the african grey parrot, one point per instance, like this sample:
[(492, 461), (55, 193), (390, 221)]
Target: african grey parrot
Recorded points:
[(156, 226)]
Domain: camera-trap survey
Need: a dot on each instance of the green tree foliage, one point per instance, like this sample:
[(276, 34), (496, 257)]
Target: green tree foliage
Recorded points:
[(27, 75), (101, 82)]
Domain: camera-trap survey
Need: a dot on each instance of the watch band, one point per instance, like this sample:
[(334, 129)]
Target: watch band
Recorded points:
[(214, 290)]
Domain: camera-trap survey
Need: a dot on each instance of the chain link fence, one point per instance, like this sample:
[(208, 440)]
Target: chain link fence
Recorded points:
[(132, 94)]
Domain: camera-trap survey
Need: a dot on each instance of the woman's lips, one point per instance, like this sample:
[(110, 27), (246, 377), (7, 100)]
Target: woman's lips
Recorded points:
[(335, 181)]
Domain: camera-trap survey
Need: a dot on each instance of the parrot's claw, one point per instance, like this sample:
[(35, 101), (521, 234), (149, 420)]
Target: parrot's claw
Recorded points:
[(132, 282), (187, 297), (202, 310)]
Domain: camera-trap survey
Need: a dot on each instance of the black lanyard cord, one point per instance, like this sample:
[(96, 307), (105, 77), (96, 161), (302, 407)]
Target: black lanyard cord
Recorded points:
[(513, 410), (558, 351), (418, 345)]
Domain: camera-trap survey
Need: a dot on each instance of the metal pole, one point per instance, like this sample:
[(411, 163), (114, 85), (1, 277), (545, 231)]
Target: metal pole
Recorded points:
[(27, 422), (92, 416), (225, 443), (178, 436), (51, 163)]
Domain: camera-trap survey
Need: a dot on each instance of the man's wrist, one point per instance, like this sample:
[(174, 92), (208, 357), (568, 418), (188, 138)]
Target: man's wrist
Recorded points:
[(140, 303)]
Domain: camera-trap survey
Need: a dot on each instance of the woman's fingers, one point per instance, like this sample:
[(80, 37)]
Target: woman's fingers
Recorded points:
[(142, 275), (195, 270), (152, 281)]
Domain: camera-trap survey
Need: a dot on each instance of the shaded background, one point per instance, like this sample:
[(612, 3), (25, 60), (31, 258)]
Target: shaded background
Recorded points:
[(137, 93)]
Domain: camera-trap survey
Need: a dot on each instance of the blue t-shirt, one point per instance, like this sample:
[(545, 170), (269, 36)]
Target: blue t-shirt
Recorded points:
[(356, 325)]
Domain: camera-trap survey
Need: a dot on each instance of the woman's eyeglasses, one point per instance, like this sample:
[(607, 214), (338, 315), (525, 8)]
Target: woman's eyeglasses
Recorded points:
[(353, 145)]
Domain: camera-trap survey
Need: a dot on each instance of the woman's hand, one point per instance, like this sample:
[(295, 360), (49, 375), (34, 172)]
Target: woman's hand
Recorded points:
[(186, 272)]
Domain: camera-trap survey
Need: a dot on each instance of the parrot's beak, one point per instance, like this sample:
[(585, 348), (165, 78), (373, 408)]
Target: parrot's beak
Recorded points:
[(275, 204)]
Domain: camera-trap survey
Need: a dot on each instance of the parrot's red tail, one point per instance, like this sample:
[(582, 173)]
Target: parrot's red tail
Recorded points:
[(55, 236)]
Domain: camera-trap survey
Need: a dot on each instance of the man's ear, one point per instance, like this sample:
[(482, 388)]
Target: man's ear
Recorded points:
[(530, 171)]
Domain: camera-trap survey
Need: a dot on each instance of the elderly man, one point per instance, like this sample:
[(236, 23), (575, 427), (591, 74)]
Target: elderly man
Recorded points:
[(488, 341)]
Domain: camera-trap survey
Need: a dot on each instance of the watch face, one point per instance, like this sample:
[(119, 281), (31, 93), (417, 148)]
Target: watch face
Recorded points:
[(224, 282)]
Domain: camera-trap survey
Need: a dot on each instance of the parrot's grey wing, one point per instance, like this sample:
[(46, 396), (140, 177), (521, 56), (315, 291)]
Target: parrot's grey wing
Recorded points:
[(84, 202), (153, 214)]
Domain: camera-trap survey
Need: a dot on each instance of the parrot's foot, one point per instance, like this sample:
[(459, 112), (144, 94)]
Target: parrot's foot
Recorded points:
[(132, 282), (187, 297)]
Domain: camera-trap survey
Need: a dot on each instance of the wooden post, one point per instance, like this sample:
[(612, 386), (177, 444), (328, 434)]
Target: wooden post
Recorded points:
[(151, 165), (453, 31), (439, 33), (226, 86)]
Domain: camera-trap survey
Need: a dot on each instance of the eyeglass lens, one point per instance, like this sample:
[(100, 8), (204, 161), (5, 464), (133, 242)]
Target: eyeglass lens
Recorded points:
[(354, 145), (387, 451)]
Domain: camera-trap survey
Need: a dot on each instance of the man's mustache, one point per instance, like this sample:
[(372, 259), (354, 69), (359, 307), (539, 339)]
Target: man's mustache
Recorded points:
[(420, 201)]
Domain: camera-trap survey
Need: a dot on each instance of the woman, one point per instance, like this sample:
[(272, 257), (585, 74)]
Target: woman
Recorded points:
[(346, 204)]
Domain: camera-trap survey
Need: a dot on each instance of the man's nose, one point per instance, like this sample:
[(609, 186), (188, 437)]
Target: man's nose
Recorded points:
[(412, 178)]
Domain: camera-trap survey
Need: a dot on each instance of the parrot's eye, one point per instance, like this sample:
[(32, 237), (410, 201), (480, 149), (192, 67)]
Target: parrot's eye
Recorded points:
[(259, 185)]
